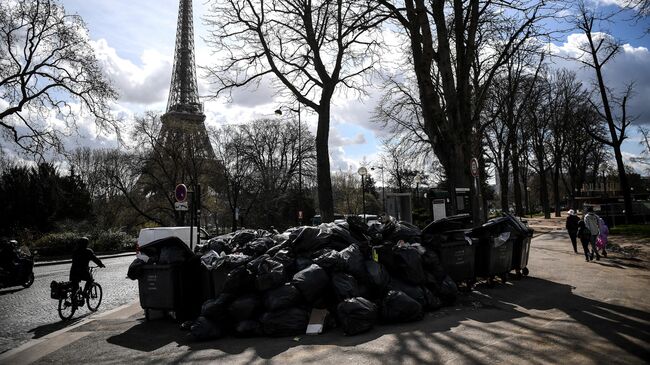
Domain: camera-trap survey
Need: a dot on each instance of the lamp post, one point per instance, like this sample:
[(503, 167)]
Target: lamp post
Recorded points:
[(418, 180), (363, 172), (279, 112), (528, 201), (383, 186)]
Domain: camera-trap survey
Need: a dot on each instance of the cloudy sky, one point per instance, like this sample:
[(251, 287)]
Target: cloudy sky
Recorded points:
[(135, 43)]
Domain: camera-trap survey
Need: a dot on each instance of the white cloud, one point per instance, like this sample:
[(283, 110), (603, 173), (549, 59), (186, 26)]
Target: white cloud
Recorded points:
[(146, 84), (338, 140), (631, 65)]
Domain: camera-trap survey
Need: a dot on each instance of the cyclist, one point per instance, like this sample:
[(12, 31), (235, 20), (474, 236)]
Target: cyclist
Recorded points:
[(81, 257)]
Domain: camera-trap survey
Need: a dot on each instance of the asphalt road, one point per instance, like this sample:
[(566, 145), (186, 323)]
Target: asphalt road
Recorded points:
[(31, 313)]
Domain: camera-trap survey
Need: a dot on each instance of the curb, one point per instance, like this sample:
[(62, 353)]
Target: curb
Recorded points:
[(61, 262)]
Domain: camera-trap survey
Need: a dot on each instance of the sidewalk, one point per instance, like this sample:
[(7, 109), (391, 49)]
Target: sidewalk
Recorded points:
[(566, 311)]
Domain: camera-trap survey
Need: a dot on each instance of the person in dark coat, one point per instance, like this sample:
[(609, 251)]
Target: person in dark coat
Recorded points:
[(585, 237), (572, 227), (81, 257)]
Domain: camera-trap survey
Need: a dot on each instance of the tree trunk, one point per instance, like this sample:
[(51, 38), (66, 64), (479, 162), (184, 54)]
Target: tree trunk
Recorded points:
[(234, 220), (516, 185), (625, 186), (323, 176), (556, 189), (503, 179), (543, 194)]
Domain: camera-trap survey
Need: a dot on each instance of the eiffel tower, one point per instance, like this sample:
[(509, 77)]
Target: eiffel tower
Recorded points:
[(182, 152), (184, 117)]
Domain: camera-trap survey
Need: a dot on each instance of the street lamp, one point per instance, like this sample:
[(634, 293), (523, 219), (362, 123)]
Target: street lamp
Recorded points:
[(363, 172), (383, 185), (418, 180), (279, 113)]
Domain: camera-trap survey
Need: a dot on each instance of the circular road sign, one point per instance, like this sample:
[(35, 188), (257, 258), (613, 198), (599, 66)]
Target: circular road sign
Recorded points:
[(180, 192), (473, 167)]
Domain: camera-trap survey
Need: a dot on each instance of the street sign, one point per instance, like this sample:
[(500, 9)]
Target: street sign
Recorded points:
[(473, 167), (180, 193), (181, 206)]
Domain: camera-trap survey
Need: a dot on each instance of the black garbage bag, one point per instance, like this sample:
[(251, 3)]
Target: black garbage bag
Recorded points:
[(242, 237), (357, 225), (308, 239), (353, 262), (285, 322), (238, 280), (431, 264), (217, 309), (378, 277), (270, 274), (328, 259), (408, 264), (248, 328), (340, 236), (311, 282), (399, 307), (448, 291), (404, 231), (285, 258), (356, 315), (345, 286), (301, 263), (233, 260), (135, 269), (219, 245), (283, 297), (245, 307), (257, 247), (421, 294), (211, 259), (204, 329)]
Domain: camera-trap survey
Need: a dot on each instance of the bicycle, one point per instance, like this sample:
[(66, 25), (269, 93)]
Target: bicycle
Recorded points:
[(71, 300)]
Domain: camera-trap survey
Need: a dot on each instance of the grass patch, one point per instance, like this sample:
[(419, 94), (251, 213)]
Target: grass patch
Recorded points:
[(642, 230)]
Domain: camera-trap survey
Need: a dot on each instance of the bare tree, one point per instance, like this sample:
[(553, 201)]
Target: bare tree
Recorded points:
[(645, 144), (457, 48), (310, 49), (48, 70), (596, 52)]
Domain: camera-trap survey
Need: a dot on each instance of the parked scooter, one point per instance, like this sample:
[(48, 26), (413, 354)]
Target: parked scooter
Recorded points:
[(17, 266)]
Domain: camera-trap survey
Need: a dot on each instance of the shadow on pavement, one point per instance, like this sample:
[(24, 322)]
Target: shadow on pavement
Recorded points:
[(46, 329), (11, 291), (434, 338)]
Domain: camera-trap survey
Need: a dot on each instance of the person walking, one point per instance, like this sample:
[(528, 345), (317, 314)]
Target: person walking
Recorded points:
[(584, 235), (601, 242), (572, 227), (591, 222)]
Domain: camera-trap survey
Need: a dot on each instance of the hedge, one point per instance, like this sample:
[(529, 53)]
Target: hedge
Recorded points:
[(62, 244)]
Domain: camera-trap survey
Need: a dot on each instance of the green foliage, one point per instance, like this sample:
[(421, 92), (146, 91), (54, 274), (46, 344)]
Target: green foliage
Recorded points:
[(111, 241), (62, 244), (55, 244), (37, 197)]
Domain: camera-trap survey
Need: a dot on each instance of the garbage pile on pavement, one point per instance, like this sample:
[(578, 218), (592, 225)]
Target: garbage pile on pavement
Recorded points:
[(347, 275)]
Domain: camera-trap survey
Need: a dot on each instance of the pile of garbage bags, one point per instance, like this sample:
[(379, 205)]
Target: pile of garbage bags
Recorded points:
[(360, 275)]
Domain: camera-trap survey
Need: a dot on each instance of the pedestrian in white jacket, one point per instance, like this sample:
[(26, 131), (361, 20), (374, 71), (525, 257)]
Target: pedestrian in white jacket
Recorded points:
[(591, 221)]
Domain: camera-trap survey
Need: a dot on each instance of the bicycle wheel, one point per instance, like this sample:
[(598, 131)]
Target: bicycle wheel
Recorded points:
[(94, 297), (66, 306)]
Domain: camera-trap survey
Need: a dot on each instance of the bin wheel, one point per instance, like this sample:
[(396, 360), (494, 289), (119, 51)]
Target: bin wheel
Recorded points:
[(524, 271), (504, 278)]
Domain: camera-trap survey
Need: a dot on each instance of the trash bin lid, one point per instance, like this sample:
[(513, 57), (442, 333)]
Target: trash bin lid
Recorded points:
[(453, 222)]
